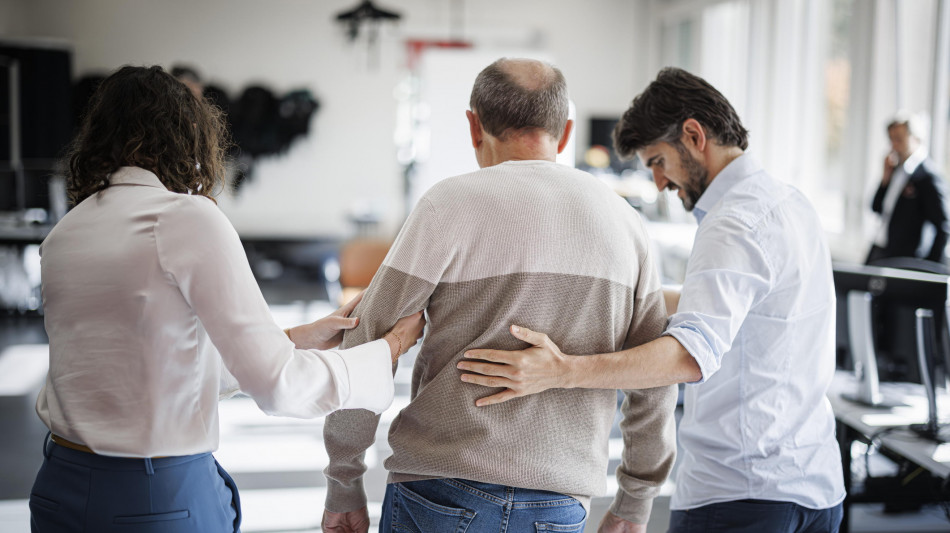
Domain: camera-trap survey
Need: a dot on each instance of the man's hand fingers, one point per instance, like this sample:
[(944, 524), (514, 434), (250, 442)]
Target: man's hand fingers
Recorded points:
[(500, 397), (487, 381), (486, 369), (494, 356), (525, 334)]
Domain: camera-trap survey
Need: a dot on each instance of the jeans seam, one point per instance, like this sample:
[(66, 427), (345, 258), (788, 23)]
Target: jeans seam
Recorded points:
[(563, 502), (475, 492)]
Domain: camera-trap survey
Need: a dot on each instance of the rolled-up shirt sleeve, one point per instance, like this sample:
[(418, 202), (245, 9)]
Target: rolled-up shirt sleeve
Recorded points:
[(728, 272), (200, 252)]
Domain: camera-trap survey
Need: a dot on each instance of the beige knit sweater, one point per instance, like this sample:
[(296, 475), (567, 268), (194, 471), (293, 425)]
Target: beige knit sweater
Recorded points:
[(544, 246)]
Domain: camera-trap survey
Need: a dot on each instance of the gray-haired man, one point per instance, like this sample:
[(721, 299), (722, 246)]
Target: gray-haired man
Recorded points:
[(523, 240)]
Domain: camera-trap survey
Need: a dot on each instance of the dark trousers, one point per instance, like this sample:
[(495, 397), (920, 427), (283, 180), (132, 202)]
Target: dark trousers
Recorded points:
[(460, 506), (77, 491), (756, 516)]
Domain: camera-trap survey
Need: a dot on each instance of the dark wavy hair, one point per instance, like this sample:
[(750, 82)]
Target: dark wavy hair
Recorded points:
[(144, 117), (657, 114)]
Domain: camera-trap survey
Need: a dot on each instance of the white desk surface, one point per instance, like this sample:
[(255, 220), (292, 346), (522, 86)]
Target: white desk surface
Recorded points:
[(870, 420)]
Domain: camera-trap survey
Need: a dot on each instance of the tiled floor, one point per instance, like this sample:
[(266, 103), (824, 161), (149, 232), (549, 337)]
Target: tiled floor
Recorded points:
[(277, 462)]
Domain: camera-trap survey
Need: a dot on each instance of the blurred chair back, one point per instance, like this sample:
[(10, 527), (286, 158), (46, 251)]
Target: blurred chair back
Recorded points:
[(359, 260)]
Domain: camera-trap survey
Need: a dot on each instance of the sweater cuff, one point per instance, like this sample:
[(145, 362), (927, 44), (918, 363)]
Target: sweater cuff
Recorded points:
[(631, 509), (369, 369), (345, 498)]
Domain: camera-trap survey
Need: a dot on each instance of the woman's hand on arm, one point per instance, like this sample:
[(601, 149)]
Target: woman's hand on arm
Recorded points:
[(326, 332), (405, 334)]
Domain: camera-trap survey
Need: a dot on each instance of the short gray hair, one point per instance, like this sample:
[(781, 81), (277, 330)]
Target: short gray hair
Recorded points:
[(504, 105), (918, 124)]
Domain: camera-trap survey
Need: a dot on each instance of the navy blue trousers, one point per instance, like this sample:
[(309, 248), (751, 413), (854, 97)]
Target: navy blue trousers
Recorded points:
[(756, 516), (460, 506), (79, 492)]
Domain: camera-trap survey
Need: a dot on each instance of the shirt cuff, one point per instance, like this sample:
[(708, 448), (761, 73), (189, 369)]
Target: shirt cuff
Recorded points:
[(369, 369), (631, 509), (345, 498), (697, 346)]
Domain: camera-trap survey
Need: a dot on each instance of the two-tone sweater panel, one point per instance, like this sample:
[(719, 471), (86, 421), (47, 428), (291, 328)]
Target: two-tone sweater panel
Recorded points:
[(540, 245)]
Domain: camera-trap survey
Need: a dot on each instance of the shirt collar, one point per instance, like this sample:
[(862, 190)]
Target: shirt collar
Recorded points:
[(915, 159), (738, 169), (135, 176)]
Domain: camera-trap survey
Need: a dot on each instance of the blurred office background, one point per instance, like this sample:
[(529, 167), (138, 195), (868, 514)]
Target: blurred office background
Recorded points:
[(343, 123)]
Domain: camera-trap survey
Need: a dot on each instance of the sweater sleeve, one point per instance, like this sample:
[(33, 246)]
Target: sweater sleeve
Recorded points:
[(648, 426), (402, 286)]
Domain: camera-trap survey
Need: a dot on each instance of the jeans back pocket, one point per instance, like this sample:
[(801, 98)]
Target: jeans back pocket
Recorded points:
[(413, 513)]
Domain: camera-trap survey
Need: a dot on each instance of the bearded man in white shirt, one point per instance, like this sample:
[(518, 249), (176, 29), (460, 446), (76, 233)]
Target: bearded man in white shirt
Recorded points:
[(752, 333)]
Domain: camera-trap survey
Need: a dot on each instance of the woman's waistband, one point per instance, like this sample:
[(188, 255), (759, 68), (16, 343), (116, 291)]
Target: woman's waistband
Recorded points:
[(72, 452)]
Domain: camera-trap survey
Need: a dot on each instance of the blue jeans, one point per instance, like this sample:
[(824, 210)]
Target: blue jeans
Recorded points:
[(756, 516), (459, 506), (80, 492)]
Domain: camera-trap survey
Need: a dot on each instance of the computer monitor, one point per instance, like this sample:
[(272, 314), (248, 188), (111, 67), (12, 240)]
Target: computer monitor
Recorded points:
[(36, 121), (892, 326)]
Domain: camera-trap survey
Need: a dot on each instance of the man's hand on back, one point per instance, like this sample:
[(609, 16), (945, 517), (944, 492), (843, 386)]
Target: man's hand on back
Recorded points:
[(612, 523)]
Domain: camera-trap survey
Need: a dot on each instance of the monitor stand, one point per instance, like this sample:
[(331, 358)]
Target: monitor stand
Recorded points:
[(861, 337), (926, 359)]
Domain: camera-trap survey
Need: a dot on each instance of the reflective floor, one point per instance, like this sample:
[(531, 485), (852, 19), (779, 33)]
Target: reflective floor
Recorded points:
[(277, 462)]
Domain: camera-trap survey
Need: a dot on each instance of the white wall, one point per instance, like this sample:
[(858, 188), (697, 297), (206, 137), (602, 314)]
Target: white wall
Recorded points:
[(349, 158)]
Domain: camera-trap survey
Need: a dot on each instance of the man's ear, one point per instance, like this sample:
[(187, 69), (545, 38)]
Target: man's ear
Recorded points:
[(566, 136), (474, 128), (694, 135)]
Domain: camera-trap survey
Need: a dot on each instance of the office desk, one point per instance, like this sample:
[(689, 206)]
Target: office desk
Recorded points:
[(914, 454), (17, 234)]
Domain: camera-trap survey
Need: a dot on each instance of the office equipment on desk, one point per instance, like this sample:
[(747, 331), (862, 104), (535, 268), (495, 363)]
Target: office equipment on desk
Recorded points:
[(926, 358), (923, 464), (896, 330), (36, 124), (893, 357), (891, 427)]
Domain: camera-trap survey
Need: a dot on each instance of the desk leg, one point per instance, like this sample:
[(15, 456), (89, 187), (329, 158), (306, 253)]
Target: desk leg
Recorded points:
[(845, 438)]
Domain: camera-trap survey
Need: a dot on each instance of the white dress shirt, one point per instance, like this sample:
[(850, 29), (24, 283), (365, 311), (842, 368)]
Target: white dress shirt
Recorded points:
[(757, 312), (146, 292)]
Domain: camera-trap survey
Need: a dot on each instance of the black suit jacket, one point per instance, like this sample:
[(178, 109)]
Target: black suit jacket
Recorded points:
[(924, 199)]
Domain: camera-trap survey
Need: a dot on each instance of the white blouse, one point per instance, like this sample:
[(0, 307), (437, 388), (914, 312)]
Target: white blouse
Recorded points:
[(145, 293)]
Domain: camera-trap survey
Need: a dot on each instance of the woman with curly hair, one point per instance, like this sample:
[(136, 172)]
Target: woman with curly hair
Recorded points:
[(153, 314)]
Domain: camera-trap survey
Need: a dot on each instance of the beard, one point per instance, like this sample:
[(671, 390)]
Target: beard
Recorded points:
[(694, 183)]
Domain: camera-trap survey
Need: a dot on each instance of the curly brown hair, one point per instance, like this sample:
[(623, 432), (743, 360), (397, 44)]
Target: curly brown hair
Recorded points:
[(144, 117)]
